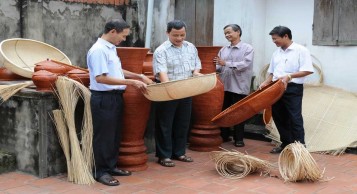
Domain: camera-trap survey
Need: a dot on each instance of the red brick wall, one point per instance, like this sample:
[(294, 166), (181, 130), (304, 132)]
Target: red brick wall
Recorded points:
[(104, 2)]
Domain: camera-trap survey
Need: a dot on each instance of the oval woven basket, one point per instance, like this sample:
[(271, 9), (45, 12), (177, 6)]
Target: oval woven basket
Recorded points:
[(178, 89), (20, 55), (250, 105)]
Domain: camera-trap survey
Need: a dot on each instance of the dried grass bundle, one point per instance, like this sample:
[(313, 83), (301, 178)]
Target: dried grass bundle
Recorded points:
[(297, 164), (6, 91), (62, 132), (236, 165), (68, 96)]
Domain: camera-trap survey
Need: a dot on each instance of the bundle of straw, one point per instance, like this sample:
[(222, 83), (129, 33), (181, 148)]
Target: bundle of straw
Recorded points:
[(236, 165), (6, 91), (297, 164), (68, 94), (62, 132)]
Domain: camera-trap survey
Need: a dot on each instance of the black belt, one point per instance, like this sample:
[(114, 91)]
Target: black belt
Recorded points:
[(108, 92)]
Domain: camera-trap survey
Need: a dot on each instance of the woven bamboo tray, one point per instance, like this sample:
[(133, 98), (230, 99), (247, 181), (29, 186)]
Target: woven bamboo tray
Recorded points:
[(250, 105), (179, 89), (21, 55)]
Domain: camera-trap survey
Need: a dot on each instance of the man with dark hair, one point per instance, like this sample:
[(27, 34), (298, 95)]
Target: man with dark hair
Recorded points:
[(175, 59), (289, 64), (107, 85), (235, 65)]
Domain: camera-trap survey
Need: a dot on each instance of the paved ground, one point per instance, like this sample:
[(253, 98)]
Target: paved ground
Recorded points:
[(199, 177)]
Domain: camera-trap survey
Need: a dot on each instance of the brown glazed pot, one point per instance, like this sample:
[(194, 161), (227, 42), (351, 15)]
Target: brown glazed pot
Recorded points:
[(44, 80), (80, 76), (147, 66), (7, 75), (69, 67), (205, 136), (132, 151), (51, 67)]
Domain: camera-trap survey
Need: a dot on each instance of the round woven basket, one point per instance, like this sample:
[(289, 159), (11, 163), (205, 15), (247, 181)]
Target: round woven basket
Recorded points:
[(250, 105), (179, 89), (21, 55)]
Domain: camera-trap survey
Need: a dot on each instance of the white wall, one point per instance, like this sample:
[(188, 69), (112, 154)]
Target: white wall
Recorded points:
[(259, 17)]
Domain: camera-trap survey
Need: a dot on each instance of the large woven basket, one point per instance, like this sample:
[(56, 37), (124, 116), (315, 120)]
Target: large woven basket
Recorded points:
[(21, 55), (179, 89), (250, 105)]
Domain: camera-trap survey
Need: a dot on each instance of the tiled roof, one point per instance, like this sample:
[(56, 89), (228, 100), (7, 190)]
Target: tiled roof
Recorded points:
[(104, 2)]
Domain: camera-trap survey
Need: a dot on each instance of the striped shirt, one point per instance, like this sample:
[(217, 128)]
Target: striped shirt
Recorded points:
[(236, 75), (177, 62)]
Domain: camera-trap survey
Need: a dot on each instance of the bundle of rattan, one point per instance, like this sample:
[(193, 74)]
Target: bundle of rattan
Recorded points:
[(297, 164), (6, 91), (79, 154), (236, 165)]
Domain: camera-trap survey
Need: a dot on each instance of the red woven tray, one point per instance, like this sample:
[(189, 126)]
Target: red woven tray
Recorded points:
[(250, 105)]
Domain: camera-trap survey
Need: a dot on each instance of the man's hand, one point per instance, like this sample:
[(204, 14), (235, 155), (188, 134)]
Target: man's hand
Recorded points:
[(139, 85)]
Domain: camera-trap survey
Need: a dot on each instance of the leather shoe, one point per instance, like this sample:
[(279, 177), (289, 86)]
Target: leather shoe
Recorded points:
[(276, 150), (118, 172), (239, 144)]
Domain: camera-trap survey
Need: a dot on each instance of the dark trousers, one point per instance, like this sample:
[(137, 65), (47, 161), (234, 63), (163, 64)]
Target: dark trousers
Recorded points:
[(107, 109), (231, 98), (172, 126), (287, 115)]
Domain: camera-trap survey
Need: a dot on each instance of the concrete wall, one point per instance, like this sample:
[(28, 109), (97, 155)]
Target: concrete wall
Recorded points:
[(258, 17), (9, 19), (70, 27)]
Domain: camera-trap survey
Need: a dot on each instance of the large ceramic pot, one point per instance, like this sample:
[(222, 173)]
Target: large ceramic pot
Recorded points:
[(44, 80), (205, 136), (132, 151), (147, 66), (80, 76)]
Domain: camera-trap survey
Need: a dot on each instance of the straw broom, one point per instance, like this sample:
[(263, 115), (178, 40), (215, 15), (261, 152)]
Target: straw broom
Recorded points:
[(297, 164), (6, 91), (68, 97), (62, 132), (236, 165)]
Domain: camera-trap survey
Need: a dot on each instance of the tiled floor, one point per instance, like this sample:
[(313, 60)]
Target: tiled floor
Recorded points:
[(199, 177)]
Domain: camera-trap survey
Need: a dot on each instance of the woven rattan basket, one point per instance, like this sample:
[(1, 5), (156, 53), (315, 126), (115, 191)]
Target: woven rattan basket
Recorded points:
[(21, 55), (178, 89), (250, 105)]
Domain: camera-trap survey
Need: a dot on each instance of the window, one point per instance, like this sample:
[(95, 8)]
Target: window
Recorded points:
[(335, 22)]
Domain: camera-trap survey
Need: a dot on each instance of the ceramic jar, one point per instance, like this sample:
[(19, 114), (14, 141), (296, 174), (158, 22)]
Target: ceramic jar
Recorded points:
[(147, 66), (80, 76), (7, 75), (44, 80), (205, 136), (50, 66), (132, 151)]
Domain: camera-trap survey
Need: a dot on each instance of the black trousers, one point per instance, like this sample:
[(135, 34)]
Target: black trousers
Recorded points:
[(172, 126), (107, 110), (287, 115), (231, 98)]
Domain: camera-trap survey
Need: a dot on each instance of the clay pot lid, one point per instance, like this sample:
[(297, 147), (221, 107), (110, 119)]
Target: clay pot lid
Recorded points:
[(77, 71), (43, 73)]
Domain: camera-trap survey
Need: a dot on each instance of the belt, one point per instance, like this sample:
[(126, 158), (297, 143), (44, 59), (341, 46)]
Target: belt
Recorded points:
[(108, 92)]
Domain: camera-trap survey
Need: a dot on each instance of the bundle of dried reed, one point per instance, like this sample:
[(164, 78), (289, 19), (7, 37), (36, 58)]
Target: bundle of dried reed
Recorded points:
[(68, 95), (297, 164), (235, 165), (6, 91), (87, 126), (62, 132)]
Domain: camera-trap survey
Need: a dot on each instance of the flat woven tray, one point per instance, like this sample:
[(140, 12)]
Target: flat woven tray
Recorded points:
[(178, 89), (250, 105), (21, 55)]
